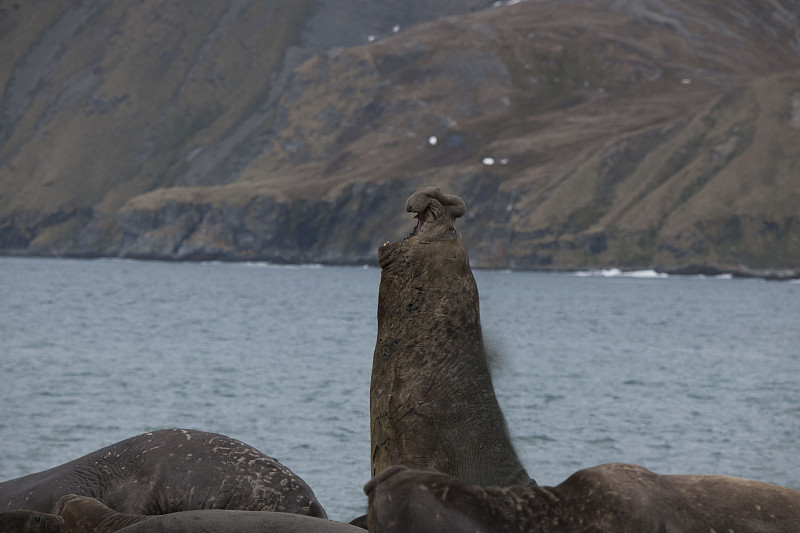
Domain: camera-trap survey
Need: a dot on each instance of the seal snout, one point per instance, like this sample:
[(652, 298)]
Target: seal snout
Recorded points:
[(435, 213), (430, 205)]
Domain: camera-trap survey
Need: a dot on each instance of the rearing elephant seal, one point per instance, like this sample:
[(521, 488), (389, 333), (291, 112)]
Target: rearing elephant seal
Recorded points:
[(610, 498), (167, 471), (432, 403)]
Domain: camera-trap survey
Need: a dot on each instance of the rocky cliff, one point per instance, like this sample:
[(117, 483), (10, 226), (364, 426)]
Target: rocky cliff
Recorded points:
[(630, 133)]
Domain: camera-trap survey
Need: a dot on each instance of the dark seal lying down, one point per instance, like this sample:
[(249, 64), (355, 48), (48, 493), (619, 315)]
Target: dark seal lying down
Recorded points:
[(82, 514), (610, 498), (30, 522), (432, 403), (167, 471)]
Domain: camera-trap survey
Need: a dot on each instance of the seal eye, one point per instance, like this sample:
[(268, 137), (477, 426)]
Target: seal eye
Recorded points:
[(37, 518)]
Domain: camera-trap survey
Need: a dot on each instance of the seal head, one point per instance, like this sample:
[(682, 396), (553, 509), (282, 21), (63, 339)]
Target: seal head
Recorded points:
[(25, 521), (436, 214)]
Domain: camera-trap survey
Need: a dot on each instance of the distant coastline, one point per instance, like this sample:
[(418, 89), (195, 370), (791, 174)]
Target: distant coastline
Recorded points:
[(653, 272)]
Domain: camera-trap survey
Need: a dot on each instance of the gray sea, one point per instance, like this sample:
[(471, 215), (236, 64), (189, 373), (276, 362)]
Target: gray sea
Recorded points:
[(677, 374)]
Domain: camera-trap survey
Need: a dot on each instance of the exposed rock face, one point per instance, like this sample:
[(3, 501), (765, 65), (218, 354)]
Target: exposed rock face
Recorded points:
[(188, 224), (633, 133)]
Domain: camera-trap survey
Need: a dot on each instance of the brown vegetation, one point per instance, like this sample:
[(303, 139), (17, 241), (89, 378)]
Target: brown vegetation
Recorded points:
[(629, 133)]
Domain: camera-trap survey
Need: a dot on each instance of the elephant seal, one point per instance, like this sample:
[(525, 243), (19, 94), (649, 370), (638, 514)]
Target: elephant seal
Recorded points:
[(215, 521), (82, 514), (166, 471), (432, 403), (30, 522), (610, 498)]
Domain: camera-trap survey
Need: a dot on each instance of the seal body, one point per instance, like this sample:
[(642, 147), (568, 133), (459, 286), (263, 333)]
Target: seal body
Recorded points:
[(30, 522), (166, 471), (432, 402), (83, 514), (216, 521), (610, 498)]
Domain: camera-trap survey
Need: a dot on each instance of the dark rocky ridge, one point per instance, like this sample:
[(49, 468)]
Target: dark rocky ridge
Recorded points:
[(629, 133)]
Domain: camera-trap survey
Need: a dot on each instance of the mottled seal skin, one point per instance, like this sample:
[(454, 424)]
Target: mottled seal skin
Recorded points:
[(84, 514), (166, 471), (610, 498), (432, 403), (30, 522)]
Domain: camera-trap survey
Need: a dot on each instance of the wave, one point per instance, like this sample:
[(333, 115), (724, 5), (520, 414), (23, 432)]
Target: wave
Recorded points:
[(617, 273), (644, 274), (267, 264)]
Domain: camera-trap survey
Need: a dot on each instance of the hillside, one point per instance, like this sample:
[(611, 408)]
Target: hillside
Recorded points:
[(582, 134)]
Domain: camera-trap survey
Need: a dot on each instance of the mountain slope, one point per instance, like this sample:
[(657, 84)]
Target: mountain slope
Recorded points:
[(104, 101), (632, 133)]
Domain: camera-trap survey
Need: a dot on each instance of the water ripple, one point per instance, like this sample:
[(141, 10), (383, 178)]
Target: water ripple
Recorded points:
[(678, 375)]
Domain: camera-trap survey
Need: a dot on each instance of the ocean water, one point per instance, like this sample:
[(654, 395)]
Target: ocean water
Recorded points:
[(680, 375)]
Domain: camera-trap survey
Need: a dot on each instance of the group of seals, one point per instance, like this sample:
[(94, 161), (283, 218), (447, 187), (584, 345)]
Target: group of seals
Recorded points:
[(442, 460), (610, 498), (166, 471), (432, 402), (433, 409), (82, 514)]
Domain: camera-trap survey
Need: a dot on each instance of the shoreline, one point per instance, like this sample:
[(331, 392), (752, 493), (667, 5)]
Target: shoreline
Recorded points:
[(639, 271)]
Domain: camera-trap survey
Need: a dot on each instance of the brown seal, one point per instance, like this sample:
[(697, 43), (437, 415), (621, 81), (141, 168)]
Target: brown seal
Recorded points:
[(610, 498), (30, 522), (83, 514), (167, 471), (432, 403)]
